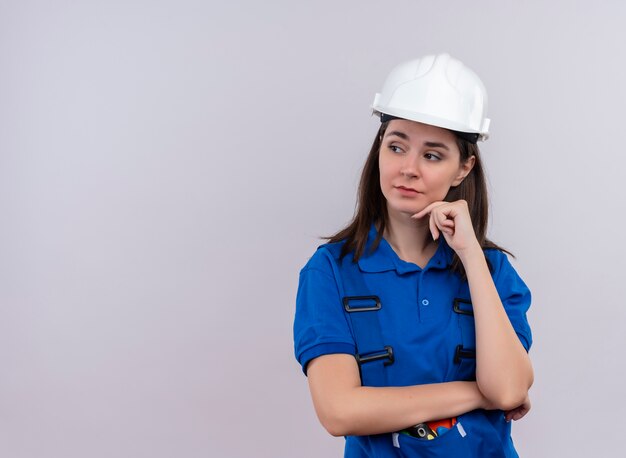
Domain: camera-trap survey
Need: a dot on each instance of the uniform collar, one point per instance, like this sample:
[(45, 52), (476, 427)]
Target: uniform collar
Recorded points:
[(385, 259)]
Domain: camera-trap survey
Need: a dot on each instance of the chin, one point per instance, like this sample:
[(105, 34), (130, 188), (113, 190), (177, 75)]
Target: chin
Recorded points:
[(407, 210)]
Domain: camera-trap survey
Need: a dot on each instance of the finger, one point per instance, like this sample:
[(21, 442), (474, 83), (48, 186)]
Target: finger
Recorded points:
[(448, 229), (443, 223), (510, 414), (521, 413), (426, 210), (433, 227), (447, 223)]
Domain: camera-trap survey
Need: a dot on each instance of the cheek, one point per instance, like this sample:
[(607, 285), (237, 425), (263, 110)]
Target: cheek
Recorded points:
[(385, 177), (382, 171), (440, 179), (383, 181), (385, 168)]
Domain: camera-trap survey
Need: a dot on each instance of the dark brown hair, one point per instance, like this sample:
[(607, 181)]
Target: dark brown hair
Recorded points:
[(371, 205)]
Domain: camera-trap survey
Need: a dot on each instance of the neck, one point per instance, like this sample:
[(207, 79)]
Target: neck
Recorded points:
[(410, 239)]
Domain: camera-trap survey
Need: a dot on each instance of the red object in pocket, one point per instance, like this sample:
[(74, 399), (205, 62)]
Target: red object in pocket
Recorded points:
[(446, 423)]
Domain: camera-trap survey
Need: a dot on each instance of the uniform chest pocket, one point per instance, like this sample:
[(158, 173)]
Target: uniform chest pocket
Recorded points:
[(465, 352)]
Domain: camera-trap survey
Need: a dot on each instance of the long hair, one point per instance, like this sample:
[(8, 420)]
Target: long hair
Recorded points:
[(371, 205)]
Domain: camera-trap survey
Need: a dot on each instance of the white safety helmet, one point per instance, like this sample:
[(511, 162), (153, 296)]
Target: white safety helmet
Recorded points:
[(437, 90)]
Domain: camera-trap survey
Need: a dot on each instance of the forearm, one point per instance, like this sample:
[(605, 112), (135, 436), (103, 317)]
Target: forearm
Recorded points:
[(356, 410), (378, 410), (503, 369)]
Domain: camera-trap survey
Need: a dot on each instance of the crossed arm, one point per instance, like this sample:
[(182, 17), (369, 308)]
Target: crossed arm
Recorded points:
[(344, 407), (503, 369)]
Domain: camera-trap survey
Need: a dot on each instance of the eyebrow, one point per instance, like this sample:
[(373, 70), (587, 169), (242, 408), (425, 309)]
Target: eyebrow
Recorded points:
[(437, 145), (398, 134), (404, 136)]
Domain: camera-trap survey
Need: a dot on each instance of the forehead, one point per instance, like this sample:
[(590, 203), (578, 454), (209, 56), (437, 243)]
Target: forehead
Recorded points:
[(418, 132)]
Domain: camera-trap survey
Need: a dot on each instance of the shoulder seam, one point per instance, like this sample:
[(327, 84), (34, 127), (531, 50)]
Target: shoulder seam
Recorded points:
[(307, 269)]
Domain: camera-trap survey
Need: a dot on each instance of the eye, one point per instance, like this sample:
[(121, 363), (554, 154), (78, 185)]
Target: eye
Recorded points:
[(395, 149), (432, 156)]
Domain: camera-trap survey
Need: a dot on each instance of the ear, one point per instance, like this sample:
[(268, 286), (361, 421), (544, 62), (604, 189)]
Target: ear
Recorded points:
[(464, 170)]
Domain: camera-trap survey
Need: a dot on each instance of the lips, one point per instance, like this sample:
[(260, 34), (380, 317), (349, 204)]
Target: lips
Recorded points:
[(406, 191)]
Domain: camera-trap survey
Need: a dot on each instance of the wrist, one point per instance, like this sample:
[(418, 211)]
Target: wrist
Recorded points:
[(474, 251)]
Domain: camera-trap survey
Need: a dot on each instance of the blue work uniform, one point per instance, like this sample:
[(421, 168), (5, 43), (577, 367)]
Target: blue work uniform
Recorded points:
[(420, 328)]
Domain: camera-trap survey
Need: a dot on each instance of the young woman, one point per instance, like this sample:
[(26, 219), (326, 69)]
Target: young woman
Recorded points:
[(410, 324)]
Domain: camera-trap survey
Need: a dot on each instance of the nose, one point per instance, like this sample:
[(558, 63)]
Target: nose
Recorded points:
[(410, 166)]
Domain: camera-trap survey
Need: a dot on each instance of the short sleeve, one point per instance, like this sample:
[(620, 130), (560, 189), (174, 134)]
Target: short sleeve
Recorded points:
[(320, 326), (514, 294)]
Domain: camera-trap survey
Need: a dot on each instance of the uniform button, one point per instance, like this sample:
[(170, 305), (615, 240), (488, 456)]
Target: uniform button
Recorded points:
[(425, 302)]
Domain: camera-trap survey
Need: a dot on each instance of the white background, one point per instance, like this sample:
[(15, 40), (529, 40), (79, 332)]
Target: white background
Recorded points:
[(167, 166)]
